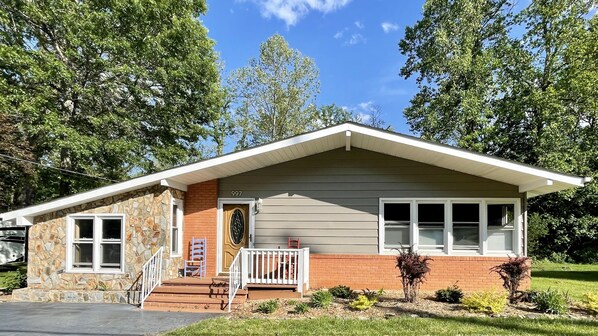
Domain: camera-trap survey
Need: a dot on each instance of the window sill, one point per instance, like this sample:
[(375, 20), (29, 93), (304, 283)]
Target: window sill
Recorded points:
[(119, 272)]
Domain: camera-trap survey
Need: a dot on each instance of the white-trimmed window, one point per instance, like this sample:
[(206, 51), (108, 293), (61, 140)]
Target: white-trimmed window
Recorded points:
[(95, 243), (176, 228), (460, 226)]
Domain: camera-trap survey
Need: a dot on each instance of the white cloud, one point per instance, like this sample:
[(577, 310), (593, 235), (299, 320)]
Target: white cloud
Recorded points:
[(359, 24), (291, 11), (339, 34), (389, 26), (367, 106), (356, 39)]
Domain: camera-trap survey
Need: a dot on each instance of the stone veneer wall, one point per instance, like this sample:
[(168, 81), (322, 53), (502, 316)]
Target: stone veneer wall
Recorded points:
[(147, 221)]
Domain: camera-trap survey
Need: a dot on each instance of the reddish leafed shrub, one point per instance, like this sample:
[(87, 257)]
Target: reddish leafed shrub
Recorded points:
[(413, 270), (512, 273)]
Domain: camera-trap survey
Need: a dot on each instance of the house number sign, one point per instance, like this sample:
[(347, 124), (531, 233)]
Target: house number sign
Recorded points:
[(236, 193)]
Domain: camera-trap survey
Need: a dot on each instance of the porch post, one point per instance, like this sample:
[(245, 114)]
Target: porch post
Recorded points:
[(306, 267), (301, 263), (244, 267)]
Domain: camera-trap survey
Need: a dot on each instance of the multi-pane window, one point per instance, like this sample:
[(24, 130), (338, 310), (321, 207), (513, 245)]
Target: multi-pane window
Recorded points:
[(96, 243), (466, 226), (176, 228), (397, 220), (501, 227), (430, 220)]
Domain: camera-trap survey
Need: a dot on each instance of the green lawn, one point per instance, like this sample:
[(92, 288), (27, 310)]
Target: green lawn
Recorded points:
[(395, 326), (573, 278)]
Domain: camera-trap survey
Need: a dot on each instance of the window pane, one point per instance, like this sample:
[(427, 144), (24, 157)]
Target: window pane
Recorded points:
[(431, 237), (397, 212), (110, 254), (111, 229), (430, 214), (395, 236), (466, 213), (500, 240), (175, 209), (175, 240), (466, 237), (83, 228), (501, 215), (82, 255)]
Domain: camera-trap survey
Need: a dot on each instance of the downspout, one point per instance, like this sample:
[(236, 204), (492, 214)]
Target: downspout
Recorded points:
[(524, 212)]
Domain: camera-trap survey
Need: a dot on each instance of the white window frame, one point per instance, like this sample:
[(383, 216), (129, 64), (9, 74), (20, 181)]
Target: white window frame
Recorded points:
[(180, 225), (448, 229), (97, 242)]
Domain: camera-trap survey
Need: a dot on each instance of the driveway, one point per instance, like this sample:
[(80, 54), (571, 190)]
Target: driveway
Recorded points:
[(25, 318)]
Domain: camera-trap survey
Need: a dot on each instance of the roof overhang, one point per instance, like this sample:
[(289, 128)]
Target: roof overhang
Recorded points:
[(531, 180)]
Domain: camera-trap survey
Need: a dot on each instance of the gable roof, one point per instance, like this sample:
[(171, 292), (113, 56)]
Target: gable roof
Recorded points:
[(533, 180)]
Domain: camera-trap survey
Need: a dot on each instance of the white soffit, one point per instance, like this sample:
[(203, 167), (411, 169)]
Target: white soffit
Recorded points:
[(534, 181)]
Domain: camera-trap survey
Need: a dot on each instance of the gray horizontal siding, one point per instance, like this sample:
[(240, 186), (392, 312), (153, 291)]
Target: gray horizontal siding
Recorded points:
[(330, 200)]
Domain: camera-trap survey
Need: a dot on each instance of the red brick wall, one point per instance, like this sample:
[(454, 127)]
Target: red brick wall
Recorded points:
[(201, 202), (377, 271)]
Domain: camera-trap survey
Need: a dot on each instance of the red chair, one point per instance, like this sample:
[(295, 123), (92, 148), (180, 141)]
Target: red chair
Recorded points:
[(294, 243)]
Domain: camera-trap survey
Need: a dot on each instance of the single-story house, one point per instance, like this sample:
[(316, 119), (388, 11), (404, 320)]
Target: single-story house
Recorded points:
[(350, 194)]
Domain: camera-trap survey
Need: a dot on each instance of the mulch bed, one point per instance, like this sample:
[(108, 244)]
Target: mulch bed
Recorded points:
[(391, 305)]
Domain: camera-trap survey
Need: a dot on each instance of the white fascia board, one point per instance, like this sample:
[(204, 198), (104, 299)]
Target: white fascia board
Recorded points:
[(173, 184), (573, 181), (156, 178), (348, 141)]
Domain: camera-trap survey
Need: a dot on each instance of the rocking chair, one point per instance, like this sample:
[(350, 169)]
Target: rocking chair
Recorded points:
[(196, 265)]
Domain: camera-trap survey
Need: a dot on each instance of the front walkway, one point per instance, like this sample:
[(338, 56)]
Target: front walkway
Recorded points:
[(24, 318)]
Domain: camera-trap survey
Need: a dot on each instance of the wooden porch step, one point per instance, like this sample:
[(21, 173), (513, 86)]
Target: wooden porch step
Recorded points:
[(191, 299), (215, 282), (195, 290), (188, 307), (272, 286)]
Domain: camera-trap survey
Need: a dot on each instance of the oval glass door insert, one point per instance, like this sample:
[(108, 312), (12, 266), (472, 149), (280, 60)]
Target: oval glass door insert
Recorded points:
[(237, 227)]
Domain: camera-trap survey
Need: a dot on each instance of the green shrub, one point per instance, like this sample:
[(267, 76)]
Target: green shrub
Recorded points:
[(301, 308), (321, 299), (551, 302), (490, 302), (341, 292), (363, 303), (373, 295), (590, 302), (291, 302), (512, 273), (12, 280), (452, 294), (268, 307)]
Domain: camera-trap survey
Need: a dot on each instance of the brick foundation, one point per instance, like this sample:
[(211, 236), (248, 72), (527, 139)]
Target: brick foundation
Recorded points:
[(377, 271), (201, 202)]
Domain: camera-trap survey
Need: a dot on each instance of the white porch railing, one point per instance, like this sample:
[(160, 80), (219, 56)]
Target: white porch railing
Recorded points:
[(151, 275), (269, 266)]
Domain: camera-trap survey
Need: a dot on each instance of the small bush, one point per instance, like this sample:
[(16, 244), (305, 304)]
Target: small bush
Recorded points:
[(489, 302), (413, 270), (321, 299), (268, 307), (452, 294), (363, 303), (12, 280), (512, 273), (373, 295), (291, 302), (590, 302), (551, 302), (341, 292), (301, 308)]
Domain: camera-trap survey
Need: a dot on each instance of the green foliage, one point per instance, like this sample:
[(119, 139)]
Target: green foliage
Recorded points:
[(321, 299), (413, 270), (519, 85), (489, 302), (363, 302), (268, 307), (106, 88), (575, 279), (276, 94), (342, 292), (551, 301), (301, 308), (590, 302), (452, 294), (373, 295), (12, 280), (292, 302), (512, 272)]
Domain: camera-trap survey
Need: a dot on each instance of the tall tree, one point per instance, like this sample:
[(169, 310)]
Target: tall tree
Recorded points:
[(108, 88), (524, 91), (275, 93)]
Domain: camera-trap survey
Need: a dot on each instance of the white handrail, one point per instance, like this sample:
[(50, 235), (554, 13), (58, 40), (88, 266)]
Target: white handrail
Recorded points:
[(151, 275), (234, 278)]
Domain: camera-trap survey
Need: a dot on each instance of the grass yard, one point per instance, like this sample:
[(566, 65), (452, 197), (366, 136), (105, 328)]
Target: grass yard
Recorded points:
[(572, 278), (393, 326)]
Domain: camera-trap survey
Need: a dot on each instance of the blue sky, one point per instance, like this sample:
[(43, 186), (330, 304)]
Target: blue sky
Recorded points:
[(354, 44)]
